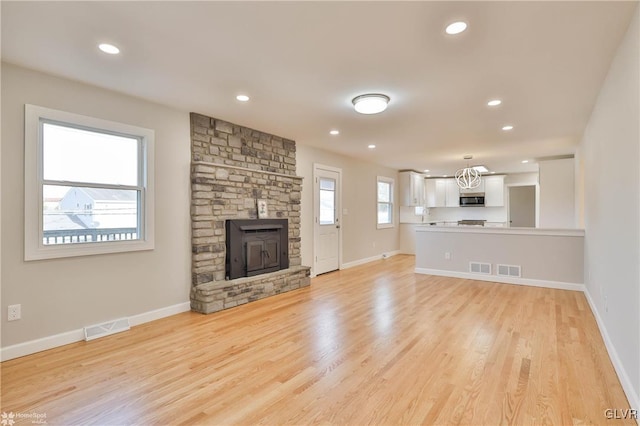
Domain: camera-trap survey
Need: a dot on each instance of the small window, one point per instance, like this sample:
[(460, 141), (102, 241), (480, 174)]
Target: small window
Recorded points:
[(385, 202), (88, 185), (327, 201)]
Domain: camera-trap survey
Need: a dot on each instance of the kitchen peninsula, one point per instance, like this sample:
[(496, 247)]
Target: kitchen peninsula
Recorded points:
[(529, 256)]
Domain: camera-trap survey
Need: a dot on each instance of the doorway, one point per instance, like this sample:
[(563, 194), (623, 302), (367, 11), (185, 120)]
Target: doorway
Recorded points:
[(327, 210), (522, 206)]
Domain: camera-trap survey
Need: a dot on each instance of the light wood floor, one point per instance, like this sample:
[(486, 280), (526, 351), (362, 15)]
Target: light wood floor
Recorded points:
[(375, 344)]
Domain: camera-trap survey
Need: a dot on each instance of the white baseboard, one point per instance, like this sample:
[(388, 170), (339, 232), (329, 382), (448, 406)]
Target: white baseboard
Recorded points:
[(369, 259), (504, 280), (631, 394), (50, 342), (159, 313)]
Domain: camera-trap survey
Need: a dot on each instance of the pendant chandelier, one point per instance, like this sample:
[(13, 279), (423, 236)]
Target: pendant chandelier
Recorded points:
[(469, 177)]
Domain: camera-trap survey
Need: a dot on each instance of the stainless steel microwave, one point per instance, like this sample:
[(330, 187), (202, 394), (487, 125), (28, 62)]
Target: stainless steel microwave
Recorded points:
[(475, 199)]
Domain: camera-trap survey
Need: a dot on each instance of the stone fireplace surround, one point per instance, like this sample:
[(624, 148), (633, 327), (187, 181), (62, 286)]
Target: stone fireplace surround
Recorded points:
[(231, 167)]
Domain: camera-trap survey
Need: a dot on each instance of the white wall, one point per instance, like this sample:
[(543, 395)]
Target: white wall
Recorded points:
[(546, 258), (361, 240), (557, 194), (62, 295), (610, 152)]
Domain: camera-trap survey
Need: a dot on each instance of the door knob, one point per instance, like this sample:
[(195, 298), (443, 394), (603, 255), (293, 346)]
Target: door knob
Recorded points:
[(337, 226)]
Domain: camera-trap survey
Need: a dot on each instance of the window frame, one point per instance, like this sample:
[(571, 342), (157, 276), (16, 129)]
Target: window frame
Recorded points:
[(34, 248), (391, 183)]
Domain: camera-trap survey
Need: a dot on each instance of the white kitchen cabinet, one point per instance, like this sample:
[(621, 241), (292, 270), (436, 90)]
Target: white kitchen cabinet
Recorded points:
[(452, 198), (412, 189), (436, 192), (493, 191), (479, 188)]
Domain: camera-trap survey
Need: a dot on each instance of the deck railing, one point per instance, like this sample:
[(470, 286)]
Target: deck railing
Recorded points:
[(70, 236)]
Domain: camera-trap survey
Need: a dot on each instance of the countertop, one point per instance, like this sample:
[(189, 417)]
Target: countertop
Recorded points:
[(501, 230)]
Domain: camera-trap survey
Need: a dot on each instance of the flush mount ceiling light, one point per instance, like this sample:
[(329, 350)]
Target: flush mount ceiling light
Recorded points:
[(109, 48), (372, 103), (456, 28), (334, 132), (494, 102), (469, 177), (242, 98)]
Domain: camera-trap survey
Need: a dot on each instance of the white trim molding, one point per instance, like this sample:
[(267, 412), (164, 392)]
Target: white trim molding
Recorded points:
[(627, 386), (380, 256), (503, 280), (73, 336)]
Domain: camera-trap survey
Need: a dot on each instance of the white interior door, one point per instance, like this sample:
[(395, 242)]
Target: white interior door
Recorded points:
[(327, 221)]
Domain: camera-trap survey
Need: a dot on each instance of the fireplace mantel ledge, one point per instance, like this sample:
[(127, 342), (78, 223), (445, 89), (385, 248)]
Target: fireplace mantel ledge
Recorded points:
[(246, 169)]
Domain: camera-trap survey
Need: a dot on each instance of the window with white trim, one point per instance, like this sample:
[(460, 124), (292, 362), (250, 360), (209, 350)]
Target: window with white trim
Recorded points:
[(385, 202), (88, 185)]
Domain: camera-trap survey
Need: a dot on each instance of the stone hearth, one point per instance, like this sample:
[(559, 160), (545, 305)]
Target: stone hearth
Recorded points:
[(231, 168)]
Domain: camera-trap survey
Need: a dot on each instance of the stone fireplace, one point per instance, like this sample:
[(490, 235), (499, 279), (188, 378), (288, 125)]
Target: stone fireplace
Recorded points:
[(232, 168)]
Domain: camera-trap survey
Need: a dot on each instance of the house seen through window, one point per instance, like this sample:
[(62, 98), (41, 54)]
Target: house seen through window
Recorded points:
[(90, 187)]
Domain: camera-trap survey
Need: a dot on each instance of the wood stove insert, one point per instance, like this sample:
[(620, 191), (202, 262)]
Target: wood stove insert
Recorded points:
[(256, 246)]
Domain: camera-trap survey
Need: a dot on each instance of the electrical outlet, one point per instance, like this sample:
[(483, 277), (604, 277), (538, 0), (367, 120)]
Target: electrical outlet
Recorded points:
[(447, 255), (13, 312)]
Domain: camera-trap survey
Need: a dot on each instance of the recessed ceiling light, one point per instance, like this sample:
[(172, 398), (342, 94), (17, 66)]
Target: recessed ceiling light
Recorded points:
[(481, 169), (242, 98), (372, 103), (508, 127), (109, 48), (494, 102), (456, 28), (371, 146), (493, 173), (445, 175), (428, 175), (525, 161), (426, 170), (334, 132)]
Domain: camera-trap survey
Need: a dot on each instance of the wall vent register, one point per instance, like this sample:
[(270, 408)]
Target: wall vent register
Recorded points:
[(509, 270), (480, 268)]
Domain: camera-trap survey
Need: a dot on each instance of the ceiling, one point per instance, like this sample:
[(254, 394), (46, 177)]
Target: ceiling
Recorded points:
[(303, 62)]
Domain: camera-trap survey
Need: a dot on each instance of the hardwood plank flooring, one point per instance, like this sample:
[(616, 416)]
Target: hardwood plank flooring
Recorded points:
[(375, 344)]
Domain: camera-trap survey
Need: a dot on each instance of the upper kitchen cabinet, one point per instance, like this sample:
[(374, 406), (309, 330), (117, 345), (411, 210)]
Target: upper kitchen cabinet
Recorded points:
[(453, 193), (412, 189), (436, 192), (479, 188), (493, 191)]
